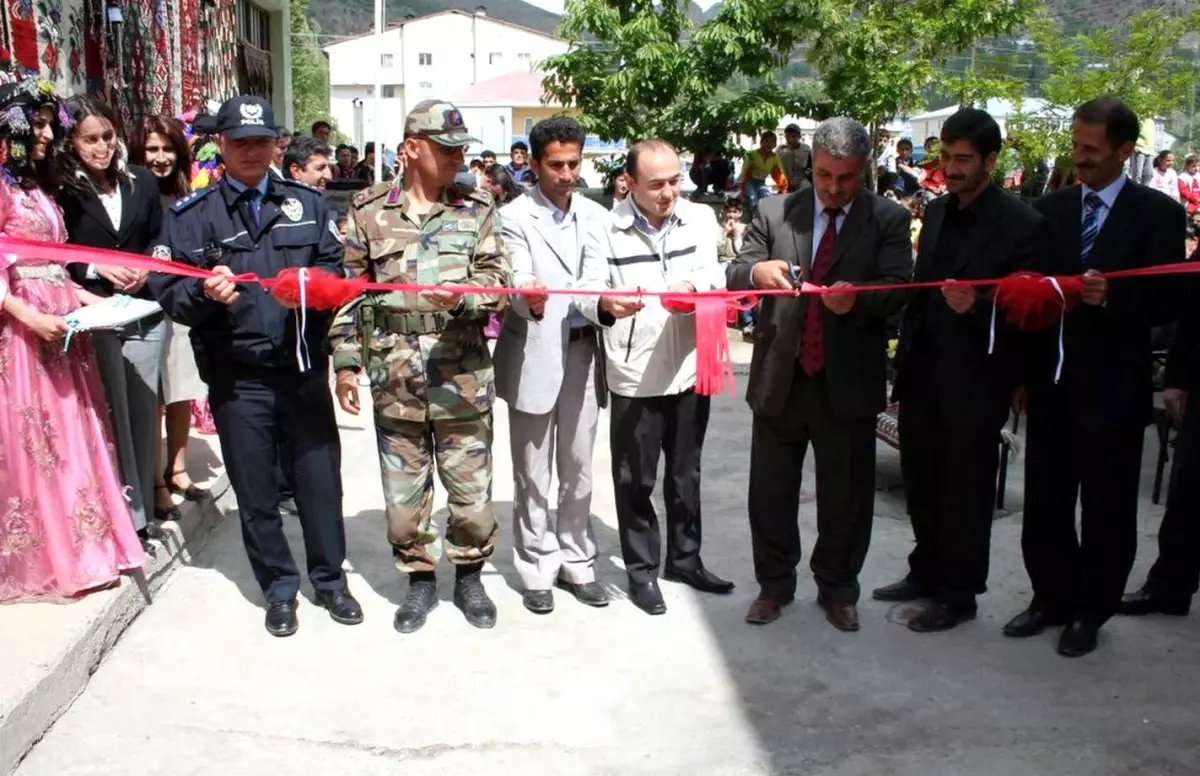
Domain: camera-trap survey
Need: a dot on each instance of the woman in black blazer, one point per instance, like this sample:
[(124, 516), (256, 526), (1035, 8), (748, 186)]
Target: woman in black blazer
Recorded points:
[(109, 205)]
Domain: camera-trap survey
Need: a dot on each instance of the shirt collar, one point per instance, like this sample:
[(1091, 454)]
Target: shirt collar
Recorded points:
[(644, 224), (1108, 194), (552, 209), (240, 187), (819, 207)]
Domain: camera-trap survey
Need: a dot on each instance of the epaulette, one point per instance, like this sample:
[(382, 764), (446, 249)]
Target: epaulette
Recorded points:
[(297, 184), (371, 193), (482, 195), (192, 198)]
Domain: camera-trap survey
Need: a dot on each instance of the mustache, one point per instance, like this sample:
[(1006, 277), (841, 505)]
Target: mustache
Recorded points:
[(956, 177)]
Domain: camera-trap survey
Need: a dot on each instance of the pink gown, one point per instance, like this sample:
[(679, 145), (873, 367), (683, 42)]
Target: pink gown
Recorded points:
[(65, 528)]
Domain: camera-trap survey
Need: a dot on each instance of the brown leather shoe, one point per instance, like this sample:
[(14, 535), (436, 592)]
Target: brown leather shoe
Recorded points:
[(844, 617), (766, 608)]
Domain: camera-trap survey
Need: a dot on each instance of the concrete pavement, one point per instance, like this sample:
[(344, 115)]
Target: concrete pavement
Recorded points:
[(196, 686)]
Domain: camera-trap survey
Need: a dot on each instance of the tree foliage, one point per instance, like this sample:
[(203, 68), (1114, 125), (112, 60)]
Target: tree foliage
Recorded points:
[(1138, 63), (880, 58), (310, 70), (637, 68)]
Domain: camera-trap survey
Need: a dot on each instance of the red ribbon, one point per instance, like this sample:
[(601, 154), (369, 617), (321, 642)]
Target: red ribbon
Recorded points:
[(1028, 299)]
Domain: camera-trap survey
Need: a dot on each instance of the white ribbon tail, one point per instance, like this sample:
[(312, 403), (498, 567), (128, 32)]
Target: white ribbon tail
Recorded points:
[(992, 330), (1062, 324), (302, 355)]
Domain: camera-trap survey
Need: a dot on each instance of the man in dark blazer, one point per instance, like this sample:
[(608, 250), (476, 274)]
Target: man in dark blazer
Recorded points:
[(1175, 575), (818, 373), (956, 373), (1086, 430)]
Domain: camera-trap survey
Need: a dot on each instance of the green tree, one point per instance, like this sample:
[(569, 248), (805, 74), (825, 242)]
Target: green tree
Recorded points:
[(637, 68), (310, 70), (1139, 63), (880, 58)]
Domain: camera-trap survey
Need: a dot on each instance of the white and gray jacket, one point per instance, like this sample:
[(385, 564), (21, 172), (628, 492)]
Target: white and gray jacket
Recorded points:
[(652, 353)]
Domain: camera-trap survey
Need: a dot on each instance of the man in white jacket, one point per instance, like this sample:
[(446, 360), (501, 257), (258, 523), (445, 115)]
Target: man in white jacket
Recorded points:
[(654, 241)]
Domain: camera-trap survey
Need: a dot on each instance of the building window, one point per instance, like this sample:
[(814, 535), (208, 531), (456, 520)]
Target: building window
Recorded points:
[(528, 126), (424, 59), (525, 60), (495, 58), (426, 85), (387, 60), (252, 25), (389, 92)]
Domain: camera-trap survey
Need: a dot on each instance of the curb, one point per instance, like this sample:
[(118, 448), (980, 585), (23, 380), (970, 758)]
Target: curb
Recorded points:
[(30, 710)]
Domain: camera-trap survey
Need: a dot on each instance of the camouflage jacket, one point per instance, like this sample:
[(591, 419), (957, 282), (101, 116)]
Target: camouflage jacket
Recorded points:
[(422, 377)]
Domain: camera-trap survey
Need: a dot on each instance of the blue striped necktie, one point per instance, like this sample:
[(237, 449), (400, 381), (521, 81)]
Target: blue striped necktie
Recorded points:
[(1091, 222)]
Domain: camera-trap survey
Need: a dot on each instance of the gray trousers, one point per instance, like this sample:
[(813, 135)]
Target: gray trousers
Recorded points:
[(562, 439), (130, 359), (1141, 168)]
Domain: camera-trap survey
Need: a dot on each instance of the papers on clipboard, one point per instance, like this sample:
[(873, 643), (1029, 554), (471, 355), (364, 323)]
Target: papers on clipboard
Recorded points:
[(113, 313)]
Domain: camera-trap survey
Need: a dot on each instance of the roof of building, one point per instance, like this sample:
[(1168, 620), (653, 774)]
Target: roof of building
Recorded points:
[(999, 108), (455, 11), (520, 89)]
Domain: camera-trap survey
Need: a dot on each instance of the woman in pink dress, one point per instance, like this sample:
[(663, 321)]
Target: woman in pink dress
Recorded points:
[(65, 528)]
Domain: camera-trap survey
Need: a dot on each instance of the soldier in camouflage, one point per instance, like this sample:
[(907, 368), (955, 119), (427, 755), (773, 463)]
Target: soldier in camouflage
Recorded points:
[(429, 366)]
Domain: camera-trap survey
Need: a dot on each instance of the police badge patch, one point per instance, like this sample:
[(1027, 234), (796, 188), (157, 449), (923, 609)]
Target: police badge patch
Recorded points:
[(337, 234), (161, 252), (292, 208)]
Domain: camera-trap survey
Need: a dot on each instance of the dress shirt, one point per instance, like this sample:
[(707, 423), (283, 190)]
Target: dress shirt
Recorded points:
[(1108, 195), (568, 241), (819, 222)]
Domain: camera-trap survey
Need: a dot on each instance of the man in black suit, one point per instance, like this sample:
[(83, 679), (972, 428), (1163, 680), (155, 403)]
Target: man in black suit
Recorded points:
[(1175, 576), (953, 384), (819, 369), (1086, 430)]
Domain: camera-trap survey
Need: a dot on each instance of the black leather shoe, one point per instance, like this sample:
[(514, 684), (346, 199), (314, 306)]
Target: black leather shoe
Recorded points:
[(472, 599), (281, 618), (647, 597), (287, 506), (538, 601), (904, 590), (941, 617), (419, 602), (590, 593), (1033, 621), (701, 579), (341, 606), (1145, 601), (1078, 639)]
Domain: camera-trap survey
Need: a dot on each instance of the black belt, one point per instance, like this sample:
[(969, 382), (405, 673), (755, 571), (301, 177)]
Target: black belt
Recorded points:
[(582, 333)]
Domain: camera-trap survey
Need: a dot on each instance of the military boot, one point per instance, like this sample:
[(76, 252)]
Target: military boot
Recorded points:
[(420, 601), (470, 596)]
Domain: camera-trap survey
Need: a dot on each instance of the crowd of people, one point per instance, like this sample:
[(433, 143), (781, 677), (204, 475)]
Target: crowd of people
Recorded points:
[(80, 422)]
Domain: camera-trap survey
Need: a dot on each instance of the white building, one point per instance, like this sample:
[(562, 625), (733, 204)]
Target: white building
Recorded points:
[(432, 56), (930, 124)]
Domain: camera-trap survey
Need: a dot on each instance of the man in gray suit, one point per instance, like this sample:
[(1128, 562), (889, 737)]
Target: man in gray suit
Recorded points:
[(548, 370), (818, 375)]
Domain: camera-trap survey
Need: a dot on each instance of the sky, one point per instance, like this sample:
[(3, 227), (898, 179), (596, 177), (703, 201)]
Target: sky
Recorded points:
[(557, 5)]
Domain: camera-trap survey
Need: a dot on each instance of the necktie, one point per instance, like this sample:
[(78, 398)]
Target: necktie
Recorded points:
[(253, 200), (812, 343), (1091, 222)]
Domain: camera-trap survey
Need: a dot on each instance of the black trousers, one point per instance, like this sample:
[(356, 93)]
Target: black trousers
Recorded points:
[(845, 452), (1084, 575), (950, 486), (256, 418), (1176, 573), (640, 429)]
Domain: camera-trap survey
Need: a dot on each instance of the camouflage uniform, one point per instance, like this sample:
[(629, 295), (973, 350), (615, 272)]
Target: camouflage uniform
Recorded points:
[(430, 372)]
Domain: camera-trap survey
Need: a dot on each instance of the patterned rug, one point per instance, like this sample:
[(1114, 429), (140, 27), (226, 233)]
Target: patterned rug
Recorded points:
[(165, 56)]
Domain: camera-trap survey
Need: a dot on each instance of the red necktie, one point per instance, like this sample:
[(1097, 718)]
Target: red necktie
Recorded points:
[(812, 343)]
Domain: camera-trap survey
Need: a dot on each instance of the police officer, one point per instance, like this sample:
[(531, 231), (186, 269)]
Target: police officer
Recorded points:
[(429, 366), (265, 365)]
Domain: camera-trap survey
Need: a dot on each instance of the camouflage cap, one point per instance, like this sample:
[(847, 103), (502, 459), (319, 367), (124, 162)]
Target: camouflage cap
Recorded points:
[(439, 121)]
